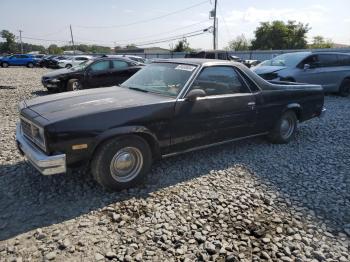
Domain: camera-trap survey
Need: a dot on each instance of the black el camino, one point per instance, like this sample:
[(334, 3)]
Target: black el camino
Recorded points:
[(166, 108), (98, 72)]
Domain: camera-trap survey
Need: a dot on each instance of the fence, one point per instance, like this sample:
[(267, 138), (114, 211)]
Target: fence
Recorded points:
[(256, 55)]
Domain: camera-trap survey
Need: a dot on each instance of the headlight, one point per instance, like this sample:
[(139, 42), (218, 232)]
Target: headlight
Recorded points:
[(55, 80), (34, 133), (38, 136)]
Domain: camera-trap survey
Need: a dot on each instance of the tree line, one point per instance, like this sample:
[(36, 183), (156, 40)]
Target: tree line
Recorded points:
[(10, 46), (273, 35), (278, 35)]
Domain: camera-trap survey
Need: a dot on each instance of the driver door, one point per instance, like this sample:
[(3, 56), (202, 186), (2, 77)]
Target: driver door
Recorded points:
[(226, 112), (98, 74)]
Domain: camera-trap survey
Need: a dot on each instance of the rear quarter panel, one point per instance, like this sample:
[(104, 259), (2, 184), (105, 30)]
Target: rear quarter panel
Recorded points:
[(306, 100)]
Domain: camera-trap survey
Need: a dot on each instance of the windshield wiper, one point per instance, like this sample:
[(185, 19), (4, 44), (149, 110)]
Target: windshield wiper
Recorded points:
[(138, 89)]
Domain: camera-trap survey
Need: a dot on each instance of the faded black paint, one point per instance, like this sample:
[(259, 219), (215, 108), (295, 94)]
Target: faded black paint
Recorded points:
[(173, 124)]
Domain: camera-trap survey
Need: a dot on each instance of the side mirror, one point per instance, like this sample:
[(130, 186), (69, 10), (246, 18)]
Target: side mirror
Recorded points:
[(195, 93), (307, 66)]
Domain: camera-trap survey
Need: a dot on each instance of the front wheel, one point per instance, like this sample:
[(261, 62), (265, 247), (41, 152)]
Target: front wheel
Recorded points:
[(284, 129), (30, 65), (344, 89), (4, 64), (68, 66), (122, 162), (74, 85)]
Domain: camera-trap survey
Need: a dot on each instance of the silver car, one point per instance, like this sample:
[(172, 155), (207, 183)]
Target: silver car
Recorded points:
[(329, 69)]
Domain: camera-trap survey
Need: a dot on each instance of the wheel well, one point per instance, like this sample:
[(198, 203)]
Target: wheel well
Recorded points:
[(296, 110), (147, 137)]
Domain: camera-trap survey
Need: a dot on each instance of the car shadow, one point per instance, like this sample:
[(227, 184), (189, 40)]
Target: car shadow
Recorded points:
[(41, 93), (29, 200)]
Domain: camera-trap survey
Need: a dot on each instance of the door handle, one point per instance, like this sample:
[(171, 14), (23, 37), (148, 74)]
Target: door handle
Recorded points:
[(251, 105)]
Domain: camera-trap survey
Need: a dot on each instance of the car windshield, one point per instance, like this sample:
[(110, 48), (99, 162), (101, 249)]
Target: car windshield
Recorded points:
[(288, 60), (82, 65), (161, 78)]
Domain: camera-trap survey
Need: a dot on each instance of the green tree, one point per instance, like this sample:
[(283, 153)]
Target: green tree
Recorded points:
[(30, 47), (54, 49), (130, 46), (9, 46), (240, 43), (320, 42), (182, 46), (280, 35)]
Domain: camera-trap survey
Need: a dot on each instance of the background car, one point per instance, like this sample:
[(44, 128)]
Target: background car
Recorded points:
[(53, 61), (135, 58), (329, 69), (217, 54), (19, 60), (98, 72), (73, 61)]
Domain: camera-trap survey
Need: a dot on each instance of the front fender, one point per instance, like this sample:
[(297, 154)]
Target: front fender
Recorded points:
[(297, 108), (144, 132)]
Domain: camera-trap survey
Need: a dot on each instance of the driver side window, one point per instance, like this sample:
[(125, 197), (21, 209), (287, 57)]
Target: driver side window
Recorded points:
[(220, 80), (100, 66), (311, 60)]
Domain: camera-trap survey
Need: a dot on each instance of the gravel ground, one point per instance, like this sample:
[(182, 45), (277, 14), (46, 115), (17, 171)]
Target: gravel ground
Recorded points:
[(245, 201)]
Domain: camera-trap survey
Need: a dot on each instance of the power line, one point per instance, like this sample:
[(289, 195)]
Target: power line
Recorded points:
[(126, 41), (46, 40), (155, 41), (146, 20), (170, 31), (187, 35)]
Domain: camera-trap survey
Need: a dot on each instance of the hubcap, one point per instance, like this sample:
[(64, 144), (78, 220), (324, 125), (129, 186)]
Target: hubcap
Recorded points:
[(126, 164), (76, 86), (287, 127)]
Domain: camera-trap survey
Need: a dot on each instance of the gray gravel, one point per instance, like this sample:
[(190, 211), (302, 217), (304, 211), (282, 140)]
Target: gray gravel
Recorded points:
[(245, 201)]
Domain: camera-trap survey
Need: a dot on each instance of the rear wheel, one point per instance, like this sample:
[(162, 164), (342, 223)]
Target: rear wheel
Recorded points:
[(74, 85), (30, 65), (4, 64), (284, 129), (122, 162), (344, 89), (68, 66)]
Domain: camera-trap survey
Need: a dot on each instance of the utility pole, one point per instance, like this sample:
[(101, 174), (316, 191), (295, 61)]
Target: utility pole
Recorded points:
[(20, 39), (215, 32), (71, 34)]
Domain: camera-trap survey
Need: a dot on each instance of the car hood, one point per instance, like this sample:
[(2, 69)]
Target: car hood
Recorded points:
[(66, 105), (59, 72), (260, 70)]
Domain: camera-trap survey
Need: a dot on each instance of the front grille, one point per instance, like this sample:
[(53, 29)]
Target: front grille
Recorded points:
[(27, 129)]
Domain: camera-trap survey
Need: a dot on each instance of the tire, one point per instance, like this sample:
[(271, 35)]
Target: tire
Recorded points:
[(74, 85), (4, 64), (68, 66), (104, 164), (30, 65), (344, 89), (284, 129)]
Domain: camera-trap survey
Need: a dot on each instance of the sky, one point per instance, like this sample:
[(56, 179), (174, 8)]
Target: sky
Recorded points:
[(121, 22)]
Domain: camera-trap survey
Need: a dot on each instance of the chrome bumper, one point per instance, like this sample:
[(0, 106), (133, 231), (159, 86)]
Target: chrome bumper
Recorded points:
[(323, 112), (46, 165)]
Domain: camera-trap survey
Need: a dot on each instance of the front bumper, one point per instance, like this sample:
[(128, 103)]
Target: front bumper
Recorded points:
[(50, 85), (46, 165)]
